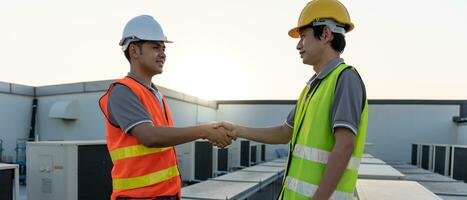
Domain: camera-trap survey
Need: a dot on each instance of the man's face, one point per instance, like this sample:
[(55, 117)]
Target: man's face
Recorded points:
[(309, 47), (151, 57)]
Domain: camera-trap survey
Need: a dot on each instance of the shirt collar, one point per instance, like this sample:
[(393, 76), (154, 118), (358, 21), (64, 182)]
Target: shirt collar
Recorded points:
[(137, 79), (328, 68)]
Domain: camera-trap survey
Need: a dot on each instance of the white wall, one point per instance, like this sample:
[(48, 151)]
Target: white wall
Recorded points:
[(183, 114), (15, 119), (254, 115), (189, 114), (257, 115), (90, 124), (393, 128), (206, 114)]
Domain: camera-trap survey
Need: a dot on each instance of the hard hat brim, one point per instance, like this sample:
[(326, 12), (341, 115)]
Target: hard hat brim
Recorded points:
[(125, 44), (165, 41), (294, 33)]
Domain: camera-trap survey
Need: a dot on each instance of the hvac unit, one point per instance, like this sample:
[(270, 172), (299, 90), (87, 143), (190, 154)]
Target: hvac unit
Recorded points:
[(234, 155), (416, 155), (442, 159), (9, 181), (69, 170), (427, 156), (459, 163), (257, 153), (251, 153), (245, 160), (195, 160), (263, 152), (239, 154), (223, 160), (254, 154)]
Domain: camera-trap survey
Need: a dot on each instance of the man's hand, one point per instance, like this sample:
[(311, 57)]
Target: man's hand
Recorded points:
[(272, 135), (233, 130), (216, 135)]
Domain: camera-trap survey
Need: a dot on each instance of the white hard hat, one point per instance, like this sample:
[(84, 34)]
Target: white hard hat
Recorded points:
[(143, 27)]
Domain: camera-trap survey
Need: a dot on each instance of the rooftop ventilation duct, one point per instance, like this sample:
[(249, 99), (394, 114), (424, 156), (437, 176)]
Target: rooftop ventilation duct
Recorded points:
[(64, 110), (463, 114)]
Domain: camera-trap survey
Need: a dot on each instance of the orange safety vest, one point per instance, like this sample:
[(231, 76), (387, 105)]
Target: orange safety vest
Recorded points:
[(139, 171)]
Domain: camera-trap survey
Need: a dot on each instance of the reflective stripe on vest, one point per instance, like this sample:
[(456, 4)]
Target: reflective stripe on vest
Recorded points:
[(133, 151), (308, 190), (321, 156), (142, 181)]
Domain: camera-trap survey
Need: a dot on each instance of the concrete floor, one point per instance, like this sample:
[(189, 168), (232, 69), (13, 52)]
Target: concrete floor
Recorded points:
[(443, 186), (369, 189), (452, 197)]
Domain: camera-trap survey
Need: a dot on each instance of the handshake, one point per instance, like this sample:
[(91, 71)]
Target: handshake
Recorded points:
[(219, 134)]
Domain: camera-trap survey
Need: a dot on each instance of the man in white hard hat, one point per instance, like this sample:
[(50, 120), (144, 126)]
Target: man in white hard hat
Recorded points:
[(140, 136), (327, 127)]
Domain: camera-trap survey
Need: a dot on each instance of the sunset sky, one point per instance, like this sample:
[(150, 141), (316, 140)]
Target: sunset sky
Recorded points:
[(225, 50)]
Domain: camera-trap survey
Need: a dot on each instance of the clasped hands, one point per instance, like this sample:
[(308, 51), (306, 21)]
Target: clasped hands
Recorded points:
[(220, 134)]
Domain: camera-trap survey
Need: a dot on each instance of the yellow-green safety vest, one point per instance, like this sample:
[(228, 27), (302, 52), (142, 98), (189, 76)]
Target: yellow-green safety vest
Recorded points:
[(313, 140)]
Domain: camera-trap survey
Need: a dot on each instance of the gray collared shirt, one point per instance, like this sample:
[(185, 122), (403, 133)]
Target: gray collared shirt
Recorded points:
[(125, 109), (348, 101)]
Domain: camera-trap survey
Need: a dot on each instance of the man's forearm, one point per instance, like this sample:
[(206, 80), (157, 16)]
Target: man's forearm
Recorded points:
[(273, 135), (335, 168), (166, 136), (151, 136)]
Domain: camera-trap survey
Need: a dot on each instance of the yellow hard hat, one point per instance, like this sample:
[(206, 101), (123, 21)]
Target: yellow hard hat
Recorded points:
[(323, 9)]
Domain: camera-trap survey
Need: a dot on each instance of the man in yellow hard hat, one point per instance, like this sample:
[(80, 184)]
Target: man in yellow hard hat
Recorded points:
[(327, 127)]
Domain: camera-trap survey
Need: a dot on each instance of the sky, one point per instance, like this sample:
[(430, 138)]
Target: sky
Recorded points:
[(238, 50)]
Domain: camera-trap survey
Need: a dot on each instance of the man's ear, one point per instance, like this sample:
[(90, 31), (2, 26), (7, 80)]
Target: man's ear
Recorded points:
[(327, 34), (133, 51)]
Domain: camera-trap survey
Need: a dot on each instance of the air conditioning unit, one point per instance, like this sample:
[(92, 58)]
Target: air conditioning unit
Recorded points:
[(459, 162), (195, 161), (257, 153), (251, 153), (240, 154), (245, 155), (69, 170), (416, 155), (262, 153), (223, 160), (442, 159), (9, 181), (426, 156), (234, 155)]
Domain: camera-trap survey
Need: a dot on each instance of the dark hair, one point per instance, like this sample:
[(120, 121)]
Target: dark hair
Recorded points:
[(139, 44), (337, 43)]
